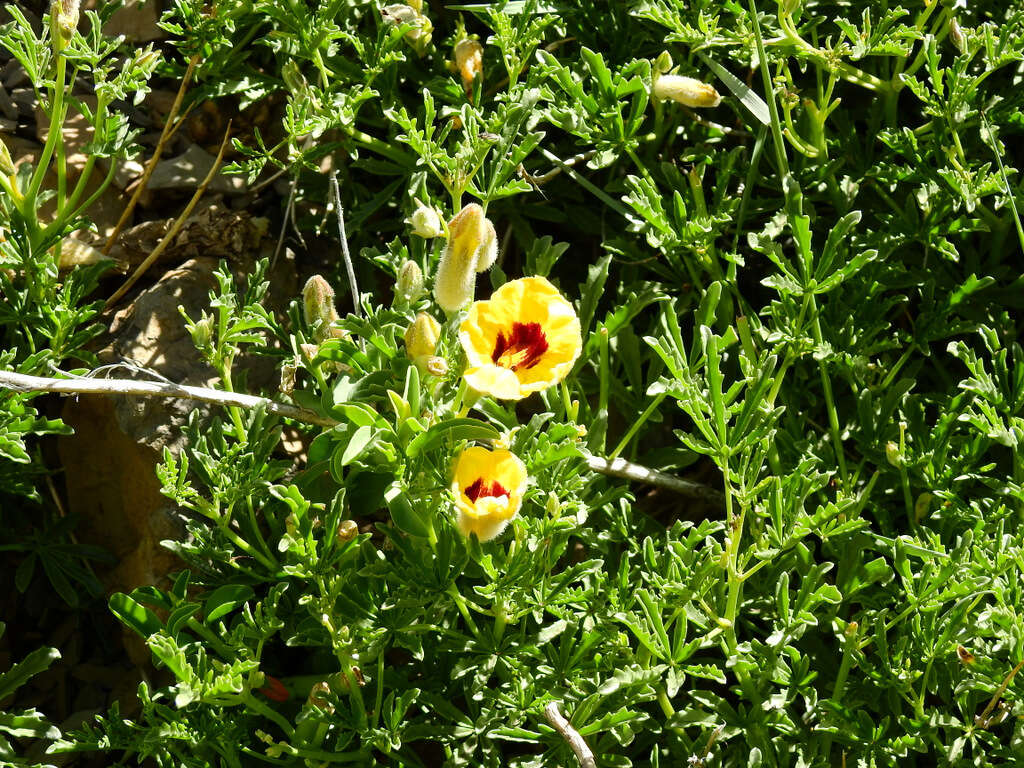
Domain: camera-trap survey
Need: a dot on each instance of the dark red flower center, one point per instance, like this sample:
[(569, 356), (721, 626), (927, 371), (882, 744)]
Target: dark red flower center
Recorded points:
[(522, 348), (481, 487)]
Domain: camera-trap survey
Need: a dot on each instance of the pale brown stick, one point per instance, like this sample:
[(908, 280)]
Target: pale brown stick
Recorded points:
[(83, 385), (175, 228), (165, 136), (638, 473), (571, 735), (20, 382)]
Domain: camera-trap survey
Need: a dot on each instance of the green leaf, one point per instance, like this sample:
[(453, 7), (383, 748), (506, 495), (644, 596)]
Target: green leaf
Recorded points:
[(37, 661), (404, 515), (134, 615), (454, 430), (225, 599)]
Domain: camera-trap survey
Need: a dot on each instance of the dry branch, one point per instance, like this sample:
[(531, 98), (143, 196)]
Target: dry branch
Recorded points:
[(85, 386)]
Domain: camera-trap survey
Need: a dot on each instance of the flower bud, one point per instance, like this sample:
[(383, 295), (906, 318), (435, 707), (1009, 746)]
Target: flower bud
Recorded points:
[(6, 161), (921, 505), (893, 455), (318, 306), (663, 63), (63, 22), (469, 61), (421, 336), (293, 78), (347, 530), (472, 247), (965, 656), (488, 252), (553, 506), (425, 221), (686, 90), (436, 366), (956, 34), (201, 331), (409, 282), (420, 34)]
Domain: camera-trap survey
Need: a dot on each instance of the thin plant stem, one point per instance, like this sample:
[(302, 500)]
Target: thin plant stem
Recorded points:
[(826, 386), (170, 125), (175, 228), (635, 427)]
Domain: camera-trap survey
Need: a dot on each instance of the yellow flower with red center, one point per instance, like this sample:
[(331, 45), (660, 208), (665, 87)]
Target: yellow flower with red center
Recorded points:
[(488, 488), (525, 338)]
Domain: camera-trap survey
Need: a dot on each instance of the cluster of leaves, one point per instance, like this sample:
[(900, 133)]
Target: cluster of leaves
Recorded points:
[(807, 296)]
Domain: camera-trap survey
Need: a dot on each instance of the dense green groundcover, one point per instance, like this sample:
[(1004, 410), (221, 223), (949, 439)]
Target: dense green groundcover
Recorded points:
[(806, 297)]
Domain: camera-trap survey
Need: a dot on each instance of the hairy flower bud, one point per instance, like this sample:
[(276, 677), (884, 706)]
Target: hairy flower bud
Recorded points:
[(469, 61), (409, 282), (420, 34), (956, 34), (472, 247), (201, 331), (318, 307), (421, 336), (893, 455), (63, 22), (425, 221), (688, 91)]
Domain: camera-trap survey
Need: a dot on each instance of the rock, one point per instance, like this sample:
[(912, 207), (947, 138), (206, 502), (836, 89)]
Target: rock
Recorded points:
[(136, 21), (187, 171)]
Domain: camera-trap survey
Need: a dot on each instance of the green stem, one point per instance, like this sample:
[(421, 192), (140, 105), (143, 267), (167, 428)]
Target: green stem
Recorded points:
[(55, 136), (500, 620), (381, 148), (769, 93), (833, 415), (255, 704), (840, 684), (599, 426), (379, 698), (572, 410), (233, 410), (460, 603), (637, 424), (734, 524), (664, 703)]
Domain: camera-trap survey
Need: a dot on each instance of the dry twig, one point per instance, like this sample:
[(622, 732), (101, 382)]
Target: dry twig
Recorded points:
[(171, 126), (20, 382), (336, 193), (82, 386), (571, 735), (175, 228)]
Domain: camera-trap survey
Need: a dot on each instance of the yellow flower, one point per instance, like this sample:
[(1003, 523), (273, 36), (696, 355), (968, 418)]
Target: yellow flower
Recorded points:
[(524, 339), (488, 488)]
